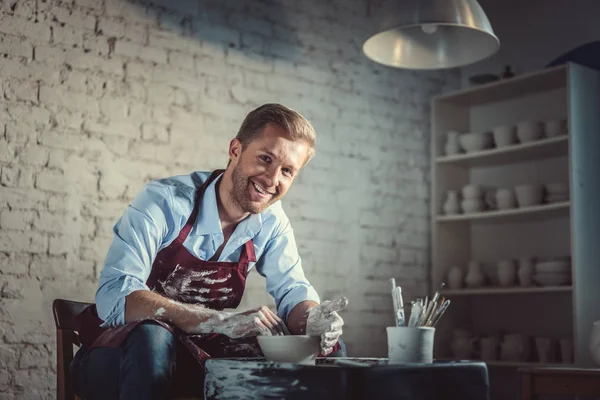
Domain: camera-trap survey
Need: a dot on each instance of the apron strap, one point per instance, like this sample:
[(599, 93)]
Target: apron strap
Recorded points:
[(187, 228), (248, 254)]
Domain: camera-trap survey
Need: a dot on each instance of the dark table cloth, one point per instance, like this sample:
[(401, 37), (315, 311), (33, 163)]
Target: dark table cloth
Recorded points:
[(369, 378)]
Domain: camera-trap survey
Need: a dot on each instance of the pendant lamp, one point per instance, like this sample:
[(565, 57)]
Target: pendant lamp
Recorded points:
[(431, 34)]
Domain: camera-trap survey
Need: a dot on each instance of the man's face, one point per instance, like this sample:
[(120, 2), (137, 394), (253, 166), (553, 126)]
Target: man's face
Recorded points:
[(264, 171)]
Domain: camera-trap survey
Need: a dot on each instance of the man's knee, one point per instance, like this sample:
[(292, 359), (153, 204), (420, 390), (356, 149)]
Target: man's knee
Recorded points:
[(152, 330), (149, 358), (152, 346)]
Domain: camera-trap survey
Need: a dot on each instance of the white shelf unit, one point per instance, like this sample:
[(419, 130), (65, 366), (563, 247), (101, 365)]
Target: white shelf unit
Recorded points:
[(572, 228)]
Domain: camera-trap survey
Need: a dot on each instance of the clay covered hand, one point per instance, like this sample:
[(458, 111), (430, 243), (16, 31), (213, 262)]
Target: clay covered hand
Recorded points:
[(324, 321), (255, 322)]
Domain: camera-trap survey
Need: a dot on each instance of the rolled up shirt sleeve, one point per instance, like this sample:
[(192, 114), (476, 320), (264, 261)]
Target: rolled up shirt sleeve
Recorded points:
[(281, 265), (138, 236)]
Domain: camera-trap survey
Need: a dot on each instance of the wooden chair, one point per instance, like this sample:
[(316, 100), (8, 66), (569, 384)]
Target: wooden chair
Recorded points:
[(64, 317), (65, 312)]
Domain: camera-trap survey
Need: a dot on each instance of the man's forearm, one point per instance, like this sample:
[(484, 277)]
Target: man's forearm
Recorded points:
[(144, 304), (296, 322)]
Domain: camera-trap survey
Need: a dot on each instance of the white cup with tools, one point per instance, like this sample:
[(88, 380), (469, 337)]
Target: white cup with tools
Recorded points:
[(410, 344)]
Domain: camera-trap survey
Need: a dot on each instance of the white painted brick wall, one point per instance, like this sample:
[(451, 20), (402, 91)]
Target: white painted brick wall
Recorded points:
[(99, 96)]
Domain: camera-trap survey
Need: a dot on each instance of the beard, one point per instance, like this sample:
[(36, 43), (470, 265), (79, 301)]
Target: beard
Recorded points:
[(240, 193)]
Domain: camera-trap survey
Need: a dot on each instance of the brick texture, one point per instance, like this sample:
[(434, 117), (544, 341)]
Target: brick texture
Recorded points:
[(100, 96)]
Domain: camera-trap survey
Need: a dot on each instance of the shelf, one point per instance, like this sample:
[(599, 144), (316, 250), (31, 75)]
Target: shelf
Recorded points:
[(503, 89), (546, 210), (539, 149), (510, 290)]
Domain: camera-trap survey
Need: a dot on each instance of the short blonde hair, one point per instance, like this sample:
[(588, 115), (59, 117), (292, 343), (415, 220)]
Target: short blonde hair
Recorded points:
[(294, 124)]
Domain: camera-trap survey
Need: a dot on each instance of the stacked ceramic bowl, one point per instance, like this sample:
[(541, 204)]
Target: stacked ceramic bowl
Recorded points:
[(472, 199), (555, 192), (475, 141), (553, 271)]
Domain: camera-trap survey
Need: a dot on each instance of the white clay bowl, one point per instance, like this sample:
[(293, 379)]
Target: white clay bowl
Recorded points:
[(474, 141), (299, 349), (553, 266)]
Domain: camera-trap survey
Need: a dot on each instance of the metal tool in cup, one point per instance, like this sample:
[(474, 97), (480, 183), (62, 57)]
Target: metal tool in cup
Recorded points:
[(398, 304)]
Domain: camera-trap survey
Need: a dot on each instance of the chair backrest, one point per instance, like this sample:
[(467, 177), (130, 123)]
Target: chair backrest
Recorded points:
[(65, 312)]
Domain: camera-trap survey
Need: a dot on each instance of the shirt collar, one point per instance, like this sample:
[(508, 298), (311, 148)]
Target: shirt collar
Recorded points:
[(208, 221)]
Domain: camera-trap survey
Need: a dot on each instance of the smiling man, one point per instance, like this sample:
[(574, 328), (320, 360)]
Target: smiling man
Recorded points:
[(176, 270)]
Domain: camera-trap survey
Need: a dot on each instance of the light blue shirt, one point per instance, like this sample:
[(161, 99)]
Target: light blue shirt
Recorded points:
[(155, 218)]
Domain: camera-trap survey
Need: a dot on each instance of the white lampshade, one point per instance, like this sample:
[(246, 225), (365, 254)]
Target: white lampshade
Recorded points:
[(431, 34)]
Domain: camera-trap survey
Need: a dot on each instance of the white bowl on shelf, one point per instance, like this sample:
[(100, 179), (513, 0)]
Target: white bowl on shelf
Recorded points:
[(475, 141), (553, 267)]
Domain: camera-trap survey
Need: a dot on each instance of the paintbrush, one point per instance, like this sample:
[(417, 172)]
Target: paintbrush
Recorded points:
[(437, 293), (434, 312), (434, 304), (440, 312)]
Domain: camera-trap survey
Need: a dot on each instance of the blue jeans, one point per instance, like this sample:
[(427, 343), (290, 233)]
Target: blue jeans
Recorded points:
[(142, 368)]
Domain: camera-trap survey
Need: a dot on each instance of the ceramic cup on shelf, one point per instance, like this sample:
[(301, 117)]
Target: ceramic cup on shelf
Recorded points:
[(505, 135), (529, 195), (452, 204), (528, 131), (475, 276), (452, 145), (505, 199)]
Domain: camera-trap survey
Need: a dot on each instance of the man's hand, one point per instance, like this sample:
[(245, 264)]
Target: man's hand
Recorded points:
[(197, 319), (324, 321), (258, 321)]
